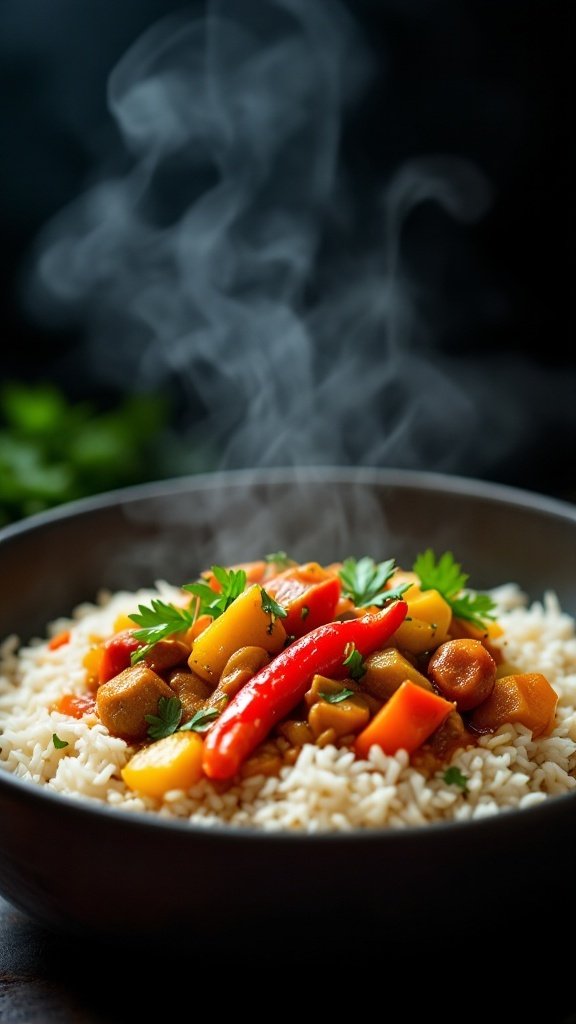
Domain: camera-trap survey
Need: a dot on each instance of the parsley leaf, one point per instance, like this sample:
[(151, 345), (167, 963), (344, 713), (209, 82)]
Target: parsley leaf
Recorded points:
[(232, 582), (272, 608), (454, 777), (158, 622), (354, 664), (336, 698), (445, 575), (201, 721), (364, 582), (167, 720), (58, 743)]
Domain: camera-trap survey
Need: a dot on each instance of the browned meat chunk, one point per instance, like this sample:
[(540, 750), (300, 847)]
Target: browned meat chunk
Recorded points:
[(166, 654), (124, 701), (191, 690)]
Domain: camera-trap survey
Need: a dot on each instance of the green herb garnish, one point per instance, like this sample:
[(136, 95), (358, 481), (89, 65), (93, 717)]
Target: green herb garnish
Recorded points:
[(354, 664), (335, 698), (454, 777), (232, 583), (201, 721), (167, 720), (158, 622), (446, 576), (364, 582), (58, 743), (272, 608)]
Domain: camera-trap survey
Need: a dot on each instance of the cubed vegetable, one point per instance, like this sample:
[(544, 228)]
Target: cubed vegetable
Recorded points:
[(405, 722), (174, 762), (308, 593), (386, 670), (525, 697), (426, 624), (243, 624)]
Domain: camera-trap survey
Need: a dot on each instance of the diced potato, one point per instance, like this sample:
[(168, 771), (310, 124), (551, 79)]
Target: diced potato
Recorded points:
[(345, 717), (296, 732), (426, 625), (174, 762), (526, 697), (386, 670), (243, 624)]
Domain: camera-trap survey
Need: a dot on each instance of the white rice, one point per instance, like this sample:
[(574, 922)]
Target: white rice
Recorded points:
[(327, 789)]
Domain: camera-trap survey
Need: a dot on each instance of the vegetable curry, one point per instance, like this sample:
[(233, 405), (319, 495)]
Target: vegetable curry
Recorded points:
[(257, 660)]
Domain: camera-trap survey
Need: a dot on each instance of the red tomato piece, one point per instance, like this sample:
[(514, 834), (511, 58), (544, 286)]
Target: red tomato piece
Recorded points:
[(308, 593), (116, 654)]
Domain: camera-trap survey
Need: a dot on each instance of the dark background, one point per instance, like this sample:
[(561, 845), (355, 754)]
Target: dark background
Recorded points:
[(488, 82)]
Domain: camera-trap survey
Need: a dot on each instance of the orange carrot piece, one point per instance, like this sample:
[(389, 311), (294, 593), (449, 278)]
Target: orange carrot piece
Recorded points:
[(76, 705), (525, 697), (59, 640), (405, 721)]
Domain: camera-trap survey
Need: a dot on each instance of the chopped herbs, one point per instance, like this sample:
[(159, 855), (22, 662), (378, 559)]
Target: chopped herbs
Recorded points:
[(58, 743), (454, 777), (271, 607), (210, 602), (158, 622), (201, 721), (169, 717), (167, 720), (336, 698), (445, 575), (364, 582), (354, 664)]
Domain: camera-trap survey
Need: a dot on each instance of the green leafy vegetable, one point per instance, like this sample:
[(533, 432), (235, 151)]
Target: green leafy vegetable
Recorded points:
[(201, 721), (454, 777), (158, 622), (364, 582), (354, 664), (167, 720), (336, 698), (232, 582), (58, 743), (446, 576)]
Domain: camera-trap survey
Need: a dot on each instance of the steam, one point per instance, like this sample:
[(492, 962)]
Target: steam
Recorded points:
[(225, 257)]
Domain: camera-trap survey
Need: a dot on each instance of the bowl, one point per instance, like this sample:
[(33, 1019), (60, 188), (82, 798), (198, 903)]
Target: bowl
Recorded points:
[(82, 869)]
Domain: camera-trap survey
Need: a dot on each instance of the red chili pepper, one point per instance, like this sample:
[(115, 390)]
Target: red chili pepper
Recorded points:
[(281, 685)]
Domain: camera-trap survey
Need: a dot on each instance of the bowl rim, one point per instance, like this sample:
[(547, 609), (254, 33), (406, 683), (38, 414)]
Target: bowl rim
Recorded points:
[(431, 481), (426, 480)]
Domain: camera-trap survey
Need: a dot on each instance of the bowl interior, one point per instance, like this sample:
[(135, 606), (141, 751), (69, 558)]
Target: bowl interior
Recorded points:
[(173, 530)]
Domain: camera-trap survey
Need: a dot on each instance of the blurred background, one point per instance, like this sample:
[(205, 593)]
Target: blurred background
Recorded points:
[(284, 232)]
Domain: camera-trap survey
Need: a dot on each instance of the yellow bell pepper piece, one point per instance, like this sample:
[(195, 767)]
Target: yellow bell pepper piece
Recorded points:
[(174, 762), (426, 625), (243, 624)]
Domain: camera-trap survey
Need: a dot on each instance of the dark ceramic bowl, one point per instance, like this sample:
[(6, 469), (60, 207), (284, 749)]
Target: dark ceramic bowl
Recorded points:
[(100, 872)]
